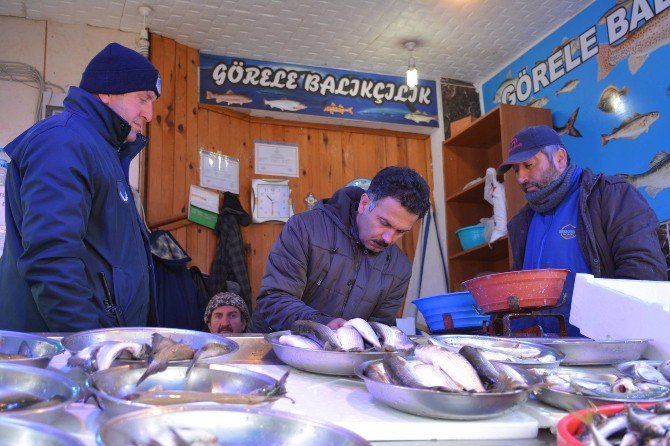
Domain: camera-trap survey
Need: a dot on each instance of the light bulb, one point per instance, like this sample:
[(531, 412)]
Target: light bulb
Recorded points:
[(412, 77)]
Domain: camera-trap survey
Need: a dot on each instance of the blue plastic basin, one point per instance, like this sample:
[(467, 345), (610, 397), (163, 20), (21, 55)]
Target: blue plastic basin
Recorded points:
[(458, 305), (471, 236)]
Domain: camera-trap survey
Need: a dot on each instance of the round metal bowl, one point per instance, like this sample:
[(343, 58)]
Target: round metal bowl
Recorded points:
[(491, 341), (43, 349), (15, 431), (196, 339), (20, 382), (438, 404), (625, 368), (232, 426), (584, 351), (320, 361), (112, 385), (571, 401)]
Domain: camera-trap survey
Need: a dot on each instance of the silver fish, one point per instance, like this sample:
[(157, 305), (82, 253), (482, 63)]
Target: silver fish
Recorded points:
[(365, 329), (180, 436), (645, 371), (400, 372), (504, 86), (419, 117), (350, 339), (299, 341), (401, 342), (376, 372), (486, 371), (538, 102), (453, 364), (159, 360), (24, 350), (433, 378), (107, 353), (655, 179), (631, 127), (209, 350), (568, 87), (317, 332), (86, 357), (285, 105), (664, 368)]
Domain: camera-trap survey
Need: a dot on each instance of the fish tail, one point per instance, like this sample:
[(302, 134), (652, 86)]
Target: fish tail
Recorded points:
[(349, 110), (190, 367), (604, 139), (209, 95), (624, 90), (147, 373), (603, 58), (570, 128)]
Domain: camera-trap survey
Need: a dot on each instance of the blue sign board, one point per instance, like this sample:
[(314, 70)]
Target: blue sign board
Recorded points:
[(604, 75), (255, 84)]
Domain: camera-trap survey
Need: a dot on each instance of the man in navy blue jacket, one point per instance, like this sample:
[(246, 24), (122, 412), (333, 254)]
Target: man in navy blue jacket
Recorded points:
[(577, 220), (77, 255)]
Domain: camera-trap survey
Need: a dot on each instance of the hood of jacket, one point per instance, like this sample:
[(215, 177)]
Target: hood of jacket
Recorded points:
[(338, 208)]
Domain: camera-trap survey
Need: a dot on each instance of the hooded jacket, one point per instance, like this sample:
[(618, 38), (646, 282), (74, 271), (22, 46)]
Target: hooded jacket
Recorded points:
[(318, 270), (70, 216), (616, 230)]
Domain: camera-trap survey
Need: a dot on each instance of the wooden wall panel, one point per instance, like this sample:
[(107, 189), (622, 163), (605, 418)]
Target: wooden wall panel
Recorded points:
[(329, 155)]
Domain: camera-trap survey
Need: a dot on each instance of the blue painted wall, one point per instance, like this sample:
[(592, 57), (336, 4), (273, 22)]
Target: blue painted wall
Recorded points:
[(568, 73)]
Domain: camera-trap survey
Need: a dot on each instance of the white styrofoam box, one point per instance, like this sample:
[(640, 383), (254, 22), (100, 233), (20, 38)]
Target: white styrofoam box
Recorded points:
[(623, 309)]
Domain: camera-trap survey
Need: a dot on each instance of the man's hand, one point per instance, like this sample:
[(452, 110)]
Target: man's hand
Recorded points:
[(336, 323)]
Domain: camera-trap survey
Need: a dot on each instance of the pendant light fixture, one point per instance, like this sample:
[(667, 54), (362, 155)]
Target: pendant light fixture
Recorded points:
[(412, 73), (143, 43)]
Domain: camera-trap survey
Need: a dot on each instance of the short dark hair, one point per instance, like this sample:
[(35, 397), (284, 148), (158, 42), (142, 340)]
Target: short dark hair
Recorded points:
[(405, 185)]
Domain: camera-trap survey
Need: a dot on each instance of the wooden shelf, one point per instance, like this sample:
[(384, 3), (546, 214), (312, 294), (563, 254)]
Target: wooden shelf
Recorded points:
[(496, 251), (471, 194)]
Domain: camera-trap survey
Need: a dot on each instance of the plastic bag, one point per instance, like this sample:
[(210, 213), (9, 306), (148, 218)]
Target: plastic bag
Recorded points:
[(494, 193)]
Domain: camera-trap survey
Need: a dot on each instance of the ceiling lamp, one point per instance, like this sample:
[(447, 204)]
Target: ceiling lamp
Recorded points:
[(144, 34), (412, 73)]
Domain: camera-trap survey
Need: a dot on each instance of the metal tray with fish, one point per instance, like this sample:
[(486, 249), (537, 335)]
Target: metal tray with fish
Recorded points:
[(647, 370), (326, 362), (117, 391), (584, 351), (573, 389), (221, 425), (14, 431), (506, 350), (436, 403), (33, 393), (142, 335), (27, 349)]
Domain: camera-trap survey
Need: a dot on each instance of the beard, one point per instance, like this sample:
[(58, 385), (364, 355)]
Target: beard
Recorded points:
[(549, 175)]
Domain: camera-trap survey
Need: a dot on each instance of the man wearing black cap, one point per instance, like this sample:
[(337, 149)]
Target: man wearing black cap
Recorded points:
[(77, 256), (576, 219)]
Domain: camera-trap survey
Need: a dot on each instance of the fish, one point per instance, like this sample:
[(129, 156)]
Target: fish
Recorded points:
[(299, 341), (639, 422), (277, 389), (664, 367), (285, 104), (508, 81), (453, 364), (24, 350), (486, 371), (382, 111), (107, 353), (588, 420), (400, 372), (228, 97), (172, 397), (617, 5), (158, 361), (653, 180), (574, 45), (86, 357), (432, 377), (350, 339), (632, 127), (569, 127), (332, 108), (645, 371), (512, 376), (637, 45), (419, 117), (384, 334), (366, 331), (401, 342), (610, 98), (180, 436), (318, 333), (568, 87), (376, 372), (209, 350), (538, 102)]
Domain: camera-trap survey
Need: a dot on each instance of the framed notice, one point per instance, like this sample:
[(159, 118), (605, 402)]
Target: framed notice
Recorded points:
[(276, 158), (219, 172), (203, 206)]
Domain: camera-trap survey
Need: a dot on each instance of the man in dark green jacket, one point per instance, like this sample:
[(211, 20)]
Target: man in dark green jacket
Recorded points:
[(77, 256), (338, 261), (578, 220)]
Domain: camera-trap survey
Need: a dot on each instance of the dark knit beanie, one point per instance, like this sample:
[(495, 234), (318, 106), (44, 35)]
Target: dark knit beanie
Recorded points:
[(230, 299), (117, 70)]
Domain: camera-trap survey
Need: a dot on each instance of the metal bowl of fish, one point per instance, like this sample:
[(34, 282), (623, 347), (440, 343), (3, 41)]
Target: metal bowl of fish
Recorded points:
[(574, 389), (85, 344), (118, 391), (584, 351), (212, 425), (27, 349), (314, 347), (417, 391), (15, 431), (657, 372), (506, 350), (33, 393)]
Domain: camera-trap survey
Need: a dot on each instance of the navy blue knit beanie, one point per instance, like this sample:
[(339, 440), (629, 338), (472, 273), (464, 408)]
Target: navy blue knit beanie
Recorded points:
[(117, 70)]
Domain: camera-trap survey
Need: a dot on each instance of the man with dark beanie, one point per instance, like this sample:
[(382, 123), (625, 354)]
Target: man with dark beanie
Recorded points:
[(77, 256), (577, 220)]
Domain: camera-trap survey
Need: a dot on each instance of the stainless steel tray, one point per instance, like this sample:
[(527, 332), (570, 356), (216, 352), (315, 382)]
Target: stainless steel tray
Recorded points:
[(625, 369), (232, 427), (320, 361), (584, 351), (571, 401), (545, 351), (43, 349), (437, 404), (14, 431)]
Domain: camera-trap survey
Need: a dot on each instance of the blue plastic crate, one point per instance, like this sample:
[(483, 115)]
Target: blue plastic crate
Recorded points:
[(458, 305)]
